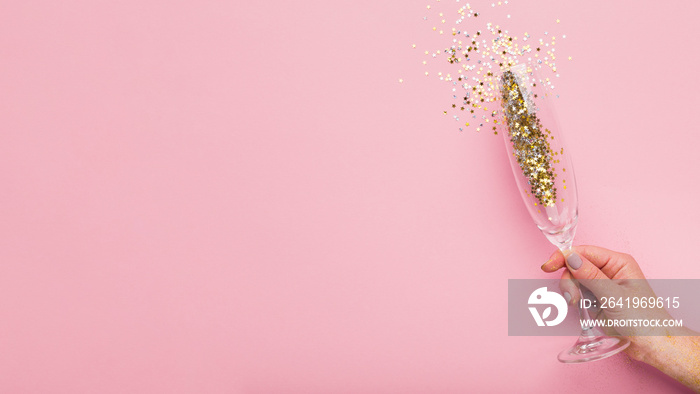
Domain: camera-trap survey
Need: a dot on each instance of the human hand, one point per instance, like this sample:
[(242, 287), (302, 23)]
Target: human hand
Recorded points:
[(675, 351), (608, 274)]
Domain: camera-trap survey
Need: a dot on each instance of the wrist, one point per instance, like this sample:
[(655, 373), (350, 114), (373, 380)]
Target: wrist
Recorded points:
[(655, 350), (675, 355), (646, 349)]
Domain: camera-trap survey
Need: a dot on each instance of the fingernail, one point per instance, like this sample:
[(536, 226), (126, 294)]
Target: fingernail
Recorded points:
[(574, 261), (543, 265), (567, 297)]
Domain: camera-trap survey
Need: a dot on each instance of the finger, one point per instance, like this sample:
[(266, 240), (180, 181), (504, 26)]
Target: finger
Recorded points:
[(590, 276), (556, 261), (568, 288), (613, 264)]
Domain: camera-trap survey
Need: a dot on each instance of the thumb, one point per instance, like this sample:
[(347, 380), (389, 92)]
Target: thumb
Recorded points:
[(591, 276)]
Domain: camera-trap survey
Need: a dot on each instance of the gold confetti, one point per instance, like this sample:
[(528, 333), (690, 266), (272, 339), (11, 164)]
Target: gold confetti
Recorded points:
[(481, 56), (530, 144)]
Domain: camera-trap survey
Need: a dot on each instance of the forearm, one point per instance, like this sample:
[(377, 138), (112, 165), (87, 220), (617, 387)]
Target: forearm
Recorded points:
[(676, 356)]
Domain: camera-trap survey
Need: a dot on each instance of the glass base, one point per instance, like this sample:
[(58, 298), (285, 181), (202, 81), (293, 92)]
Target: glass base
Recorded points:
[(594, 348)]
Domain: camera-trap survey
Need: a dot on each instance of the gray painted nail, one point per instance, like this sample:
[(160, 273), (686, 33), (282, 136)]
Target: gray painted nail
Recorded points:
[(574, 261)]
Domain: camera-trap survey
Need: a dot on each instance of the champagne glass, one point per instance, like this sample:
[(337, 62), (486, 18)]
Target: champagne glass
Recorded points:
[(545, 178)]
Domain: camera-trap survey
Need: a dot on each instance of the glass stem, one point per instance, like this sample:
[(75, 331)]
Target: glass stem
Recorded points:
[(584, 316)]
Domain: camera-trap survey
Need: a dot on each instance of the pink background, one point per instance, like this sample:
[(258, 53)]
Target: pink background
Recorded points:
[(240, 197)]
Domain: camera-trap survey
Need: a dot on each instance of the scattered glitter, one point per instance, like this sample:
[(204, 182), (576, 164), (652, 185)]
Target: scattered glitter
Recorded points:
[(479, 56)]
